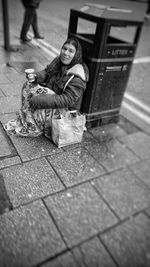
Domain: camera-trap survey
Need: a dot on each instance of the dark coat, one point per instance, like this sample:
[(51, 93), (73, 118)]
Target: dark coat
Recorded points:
[(71, 97), (31, 3)]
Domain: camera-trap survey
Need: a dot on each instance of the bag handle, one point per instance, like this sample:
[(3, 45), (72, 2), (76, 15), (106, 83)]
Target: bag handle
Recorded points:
[(68, 82)]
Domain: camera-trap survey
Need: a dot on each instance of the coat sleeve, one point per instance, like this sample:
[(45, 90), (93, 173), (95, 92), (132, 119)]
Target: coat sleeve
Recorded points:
[(41, 76), (67, 99)]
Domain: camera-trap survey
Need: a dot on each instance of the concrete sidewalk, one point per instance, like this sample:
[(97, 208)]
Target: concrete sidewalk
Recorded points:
[(82, 205)]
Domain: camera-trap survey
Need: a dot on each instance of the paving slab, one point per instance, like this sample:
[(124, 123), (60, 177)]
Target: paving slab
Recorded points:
[(30, 54), (33, 148), (5, 148), (4, 55), (9, 104), (65, 260), (107, 132), (93, 253), (26, 53), (13, 89), (4, 79), (75, 166), (1, 93), (125, 193), (111, 154), (9, 161), (31, 180), (127, 126), (90, 139), (129, 242), (14, 76), (4, 118), (139, 143), (28, 236), (142, 170), (80, 213), (148, 212), (5, 203), (89, 142), (4, 66), (21, 65)]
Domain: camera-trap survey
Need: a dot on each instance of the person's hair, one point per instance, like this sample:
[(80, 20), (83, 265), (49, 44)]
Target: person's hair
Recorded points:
[(72, 41)]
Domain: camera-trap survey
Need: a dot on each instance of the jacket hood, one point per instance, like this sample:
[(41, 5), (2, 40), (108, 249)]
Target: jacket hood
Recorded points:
[(80, 70)]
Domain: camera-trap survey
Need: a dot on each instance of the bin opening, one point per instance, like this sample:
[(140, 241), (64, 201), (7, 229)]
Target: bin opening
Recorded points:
[(118, 34), (113, 40), (122, 34), (86, 27)]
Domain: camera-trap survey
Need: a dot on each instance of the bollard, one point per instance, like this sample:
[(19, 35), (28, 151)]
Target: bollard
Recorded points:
[(7, 45), (6, 24)]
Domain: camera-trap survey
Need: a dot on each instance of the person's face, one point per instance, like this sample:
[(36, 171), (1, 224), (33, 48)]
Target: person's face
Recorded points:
[(67, 53)]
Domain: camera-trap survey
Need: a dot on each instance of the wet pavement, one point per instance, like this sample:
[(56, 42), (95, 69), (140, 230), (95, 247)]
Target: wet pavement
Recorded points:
[(82, 205)]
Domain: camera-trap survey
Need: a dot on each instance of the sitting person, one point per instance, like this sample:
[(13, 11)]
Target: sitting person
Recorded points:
[(64, 80)]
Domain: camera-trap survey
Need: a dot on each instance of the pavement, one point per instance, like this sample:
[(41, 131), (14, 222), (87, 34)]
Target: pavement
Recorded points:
[(82, 205)]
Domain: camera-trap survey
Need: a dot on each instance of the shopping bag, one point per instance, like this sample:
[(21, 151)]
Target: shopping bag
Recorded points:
[(68, 128)]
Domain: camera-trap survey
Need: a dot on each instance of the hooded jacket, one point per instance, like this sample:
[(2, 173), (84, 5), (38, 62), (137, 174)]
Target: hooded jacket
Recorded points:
[(71, 97)]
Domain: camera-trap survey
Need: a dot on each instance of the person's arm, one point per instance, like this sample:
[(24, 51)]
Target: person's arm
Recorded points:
[(68, 98), (42, 75)]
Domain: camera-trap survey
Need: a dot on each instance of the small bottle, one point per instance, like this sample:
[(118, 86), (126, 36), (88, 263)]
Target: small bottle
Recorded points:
[(30, 85), (30, 75)]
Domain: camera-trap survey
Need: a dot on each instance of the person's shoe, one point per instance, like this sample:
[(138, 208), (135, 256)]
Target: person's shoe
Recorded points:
[(26, 40), (38, 37)]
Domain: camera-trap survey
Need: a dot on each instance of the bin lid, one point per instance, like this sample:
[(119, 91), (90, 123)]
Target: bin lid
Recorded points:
[(117, 10)]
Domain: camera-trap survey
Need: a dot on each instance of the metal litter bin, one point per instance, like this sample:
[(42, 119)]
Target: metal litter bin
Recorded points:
[(109, 36)]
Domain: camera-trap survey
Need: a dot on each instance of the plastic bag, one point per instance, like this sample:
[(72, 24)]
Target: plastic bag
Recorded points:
[(68, 129)]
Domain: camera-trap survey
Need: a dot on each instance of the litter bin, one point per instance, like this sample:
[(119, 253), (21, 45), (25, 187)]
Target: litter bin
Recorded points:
[(109, 36)]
